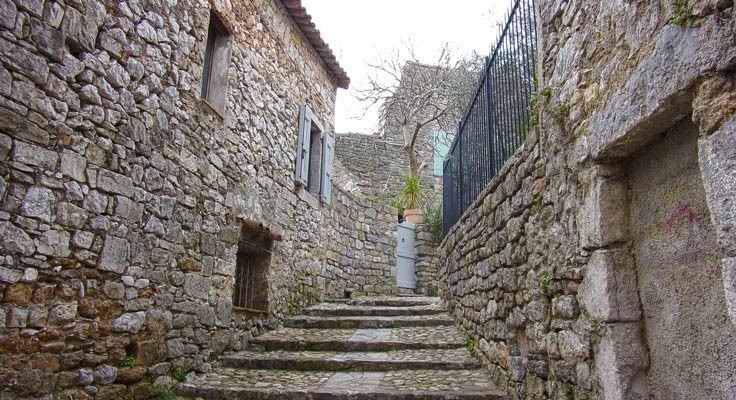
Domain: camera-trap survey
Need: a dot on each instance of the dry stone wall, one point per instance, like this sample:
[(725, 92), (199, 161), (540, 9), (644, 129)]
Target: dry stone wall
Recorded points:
[(122, 194), (374, 165), (427, 265), (545, 272), (361, 235)]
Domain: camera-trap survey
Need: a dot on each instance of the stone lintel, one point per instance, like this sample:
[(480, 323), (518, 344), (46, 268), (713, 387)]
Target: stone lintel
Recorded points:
[(660, 90)]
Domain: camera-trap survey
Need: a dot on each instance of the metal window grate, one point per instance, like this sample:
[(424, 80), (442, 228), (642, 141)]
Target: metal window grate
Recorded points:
[(250, 290), (245, 280)]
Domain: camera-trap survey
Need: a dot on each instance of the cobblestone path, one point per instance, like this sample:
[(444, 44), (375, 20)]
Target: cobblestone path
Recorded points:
[(371, 348)]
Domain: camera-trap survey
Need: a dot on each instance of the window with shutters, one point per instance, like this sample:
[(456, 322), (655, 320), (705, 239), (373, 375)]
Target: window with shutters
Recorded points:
[(315, 155), (216, 64)]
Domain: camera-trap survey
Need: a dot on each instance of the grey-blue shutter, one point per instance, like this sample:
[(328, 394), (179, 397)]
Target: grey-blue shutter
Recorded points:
[(302, 149), (328, 157)]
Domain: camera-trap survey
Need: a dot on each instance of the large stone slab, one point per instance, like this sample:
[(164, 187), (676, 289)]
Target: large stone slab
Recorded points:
[(621, 361), (659, 91), (609, 289)]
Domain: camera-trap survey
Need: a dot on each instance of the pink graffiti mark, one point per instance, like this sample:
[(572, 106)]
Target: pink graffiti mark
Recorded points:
[(684, 212)]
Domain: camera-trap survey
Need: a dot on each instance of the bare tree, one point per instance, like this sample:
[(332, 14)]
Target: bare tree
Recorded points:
[(411, 95)]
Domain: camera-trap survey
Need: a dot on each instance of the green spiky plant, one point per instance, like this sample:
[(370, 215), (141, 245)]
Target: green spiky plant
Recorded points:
[(409, 194)]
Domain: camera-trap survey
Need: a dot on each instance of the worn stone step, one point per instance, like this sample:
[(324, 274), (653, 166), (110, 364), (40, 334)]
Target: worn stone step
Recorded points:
[(437, 337), (389, 301), (346, 310), (233, 383), (444, 359), (304, 321)]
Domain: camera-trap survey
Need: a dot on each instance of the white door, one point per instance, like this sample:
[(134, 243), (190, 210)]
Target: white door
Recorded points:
[(405, 256)]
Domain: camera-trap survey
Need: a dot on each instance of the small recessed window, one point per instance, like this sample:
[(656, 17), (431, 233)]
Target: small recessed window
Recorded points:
[(216, 64), (251, 270)]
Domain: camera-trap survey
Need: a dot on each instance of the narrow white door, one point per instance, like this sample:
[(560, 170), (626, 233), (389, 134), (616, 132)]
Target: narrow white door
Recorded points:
[(405, 256)]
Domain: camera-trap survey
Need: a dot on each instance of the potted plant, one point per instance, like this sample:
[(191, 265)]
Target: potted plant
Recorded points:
[(409, 197)]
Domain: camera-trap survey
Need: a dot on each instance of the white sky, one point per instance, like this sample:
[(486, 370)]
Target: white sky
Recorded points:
[(358, 30)]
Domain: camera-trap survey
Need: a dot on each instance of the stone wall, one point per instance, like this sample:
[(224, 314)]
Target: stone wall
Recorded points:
[(361, 258), (375, 165), (545, 272), (426, 266), (122, 194)]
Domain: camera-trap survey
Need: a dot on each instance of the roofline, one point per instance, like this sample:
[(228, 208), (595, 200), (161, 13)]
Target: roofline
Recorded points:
[(304, 21)]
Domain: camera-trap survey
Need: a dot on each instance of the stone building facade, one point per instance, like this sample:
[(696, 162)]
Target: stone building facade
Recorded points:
[(599, 262), (127, 188)]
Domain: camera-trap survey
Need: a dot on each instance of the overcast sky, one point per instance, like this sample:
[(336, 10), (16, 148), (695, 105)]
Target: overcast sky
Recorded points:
[(357, 31)]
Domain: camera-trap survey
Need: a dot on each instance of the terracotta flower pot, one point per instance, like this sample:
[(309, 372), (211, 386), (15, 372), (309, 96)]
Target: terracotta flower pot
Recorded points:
[(413, 215)]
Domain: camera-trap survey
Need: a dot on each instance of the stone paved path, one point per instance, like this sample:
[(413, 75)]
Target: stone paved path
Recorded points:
[(367, 348)]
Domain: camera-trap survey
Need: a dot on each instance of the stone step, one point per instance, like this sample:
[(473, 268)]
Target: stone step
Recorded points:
[(442, 359), (298, 339), (232, 383), (389, 301), (303, 321), (346, 310)]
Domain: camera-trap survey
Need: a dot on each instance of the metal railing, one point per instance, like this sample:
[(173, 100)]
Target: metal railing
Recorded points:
[(498, 115)]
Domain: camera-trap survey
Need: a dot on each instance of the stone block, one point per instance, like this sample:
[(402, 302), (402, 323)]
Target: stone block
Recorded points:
[(603, 218), (73, 165), (573, 346), (16, 317), (105, 374), (9, 275), (15, 240), (38, 203), (621, 362), (8, 13), (54, 243), (114, 254), (128, 209), (48, 40), (129, 322), (609, 289), (197, 286), (70, 215), (24, 62), (62, 313), (112, 182), (36, 156), (565, 306), (717, 159)]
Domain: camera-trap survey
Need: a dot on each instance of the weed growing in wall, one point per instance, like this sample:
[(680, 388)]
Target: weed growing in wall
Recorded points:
[(179, 374), (164, 393), (544, 283), (538, 101), (470, 344), (681, 11), (537, 205), (127, 362)]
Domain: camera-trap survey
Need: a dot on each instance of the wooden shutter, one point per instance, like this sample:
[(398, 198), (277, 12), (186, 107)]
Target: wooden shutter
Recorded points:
[(303, 143), (328, 157)]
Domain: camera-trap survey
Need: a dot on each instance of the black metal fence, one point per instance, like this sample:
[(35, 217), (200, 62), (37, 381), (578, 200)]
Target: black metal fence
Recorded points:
[(498, 117)]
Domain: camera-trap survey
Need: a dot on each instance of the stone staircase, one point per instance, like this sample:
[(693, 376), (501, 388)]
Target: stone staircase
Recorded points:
[(373, 348)]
